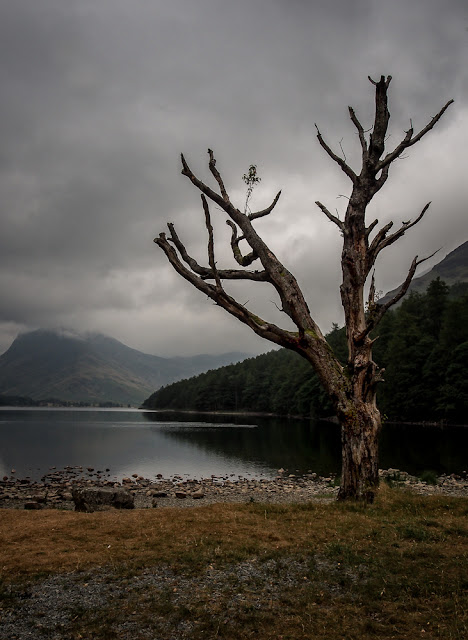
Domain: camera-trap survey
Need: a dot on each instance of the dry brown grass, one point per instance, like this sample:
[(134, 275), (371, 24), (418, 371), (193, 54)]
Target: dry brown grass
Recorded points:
[(57, 541), (391, 569)]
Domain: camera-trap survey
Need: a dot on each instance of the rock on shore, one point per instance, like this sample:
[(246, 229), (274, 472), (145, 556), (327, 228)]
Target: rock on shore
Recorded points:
[(55, 489)]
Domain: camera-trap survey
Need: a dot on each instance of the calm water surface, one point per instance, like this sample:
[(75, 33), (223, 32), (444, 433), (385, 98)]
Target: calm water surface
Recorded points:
[(131, 441)]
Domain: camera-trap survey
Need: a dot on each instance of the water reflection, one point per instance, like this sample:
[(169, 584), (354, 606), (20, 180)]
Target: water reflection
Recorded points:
[(416, 448), (148, 443), (298, 445), (35, 441), (303, 445)]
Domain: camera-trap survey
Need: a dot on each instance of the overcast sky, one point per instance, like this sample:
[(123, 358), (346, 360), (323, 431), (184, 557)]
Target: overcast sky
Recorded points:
[(99, 97)]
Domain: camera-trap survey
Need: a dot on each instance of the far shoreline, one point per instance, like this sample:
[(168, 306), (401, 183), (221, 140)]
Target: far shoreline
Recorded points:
[(440, 424), (331, 419)]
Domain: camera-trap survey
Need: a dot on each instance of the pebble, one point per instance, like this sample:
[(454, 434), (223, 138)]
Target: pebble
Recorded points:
[(54, 489)]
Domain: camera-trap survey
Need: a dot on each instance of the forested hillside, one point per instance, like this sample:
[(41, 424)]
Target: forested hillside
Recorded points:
[(423, 346)]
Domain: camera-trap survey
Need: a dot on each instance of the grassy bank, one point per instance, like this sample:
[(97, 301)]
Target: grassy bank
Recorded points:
[(396, 569)]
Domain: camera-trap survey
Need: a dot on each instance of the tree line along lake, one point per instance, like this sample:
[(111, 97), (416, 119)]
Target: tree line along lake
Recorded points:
[(197, 446)]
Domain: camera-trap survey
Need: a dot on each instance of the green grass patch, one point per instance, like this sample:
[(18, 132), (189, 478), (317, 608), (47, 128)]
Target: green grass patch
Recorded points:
[(429, 477)]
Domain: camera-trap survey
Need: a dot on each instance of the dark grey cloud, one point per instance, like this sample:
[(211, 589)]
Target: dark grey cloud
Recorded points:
[(99, 97)]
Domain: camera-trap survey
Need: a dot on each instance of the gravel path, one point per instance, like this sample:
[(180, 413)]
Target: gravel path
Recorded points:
[(56, 607)]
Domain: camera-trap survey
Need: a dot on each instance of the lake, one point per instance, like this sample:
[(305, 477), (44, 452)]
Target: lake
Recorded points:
[(127, 441)]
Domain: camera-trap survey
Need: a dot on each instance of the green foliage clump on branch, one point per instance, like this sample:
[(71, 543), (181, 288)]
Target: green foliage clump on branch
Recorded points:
[(423, 343), (251, 179)]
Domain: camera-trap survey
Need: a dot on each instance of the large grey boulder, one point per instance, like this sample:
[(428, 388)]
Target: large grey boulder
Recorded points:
[(91, 499)]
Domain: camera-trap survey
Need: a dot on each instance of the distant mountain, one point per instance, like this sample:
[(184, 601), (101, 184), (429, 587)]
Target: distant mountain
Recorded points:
[(92, 368), (452, 269)]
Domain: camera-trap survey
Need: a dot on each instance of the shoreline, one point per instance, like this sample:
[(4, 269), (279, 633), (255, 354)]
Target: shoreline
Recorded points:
[(441, 424), (54, 490), (332, 419)]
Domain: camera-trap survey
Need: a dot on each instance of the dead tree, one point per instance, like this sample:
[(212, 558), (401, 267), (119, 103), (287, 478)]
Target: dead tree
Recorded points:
[(351, 388)]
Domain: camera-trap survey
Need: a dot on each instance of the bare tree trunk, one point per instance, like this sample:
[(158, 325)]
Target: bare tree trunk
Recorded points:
[(360, 429)]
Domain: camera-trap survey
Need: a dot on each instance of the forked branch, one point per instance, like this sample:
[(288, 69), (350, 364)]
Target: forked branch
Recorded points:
[(290, 294), (409, 139), (206, 273), (267, 330), (382, 240), (226, 205), (378, 311)]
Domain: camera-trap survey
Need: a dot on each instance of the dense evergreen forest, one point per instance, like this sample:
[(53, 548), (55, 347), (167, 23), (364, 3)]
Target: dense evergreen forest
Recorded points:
[(423, 345)]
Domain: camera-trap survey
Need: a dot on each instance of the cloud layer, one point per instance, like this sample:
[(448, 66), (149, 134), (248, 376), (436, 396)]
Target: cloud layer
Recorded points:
[(99, 97)]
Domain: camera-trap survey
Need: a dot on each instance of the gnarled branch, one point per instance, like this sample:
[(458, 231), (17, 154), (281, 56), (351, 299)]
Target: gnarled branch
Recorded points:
[(265, 212), (226, 205), (380, 181), (267, 330), (371, 297), (381, 240), (206, 273), (217, 175), (246, 260), (382, 116), (211, 258), (386, 81), (330, 215), (360, 129), (371, 227), (409, 140), (339, 161), (286, 285), (373, 249), (380, 310)]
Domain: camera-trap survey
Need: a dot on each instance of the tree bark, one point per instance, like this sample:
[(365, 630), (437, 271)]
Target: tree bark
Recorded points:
[(360, 427)]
